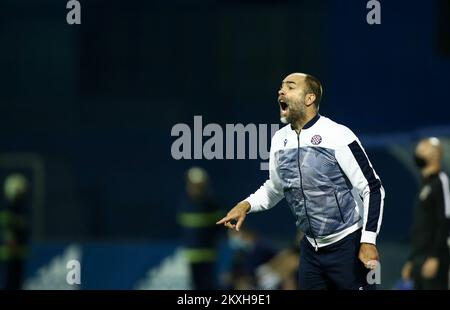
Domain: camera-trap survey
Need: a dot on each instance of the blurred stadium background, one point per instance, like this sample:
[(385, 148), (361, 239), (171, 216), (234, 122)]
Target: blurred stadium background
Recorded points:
[(86, 113)]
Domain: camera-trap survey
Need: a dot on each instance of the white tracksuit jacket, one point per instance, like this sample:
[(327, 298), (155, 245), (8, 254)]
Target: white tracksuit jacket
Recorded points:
[(327, 180)]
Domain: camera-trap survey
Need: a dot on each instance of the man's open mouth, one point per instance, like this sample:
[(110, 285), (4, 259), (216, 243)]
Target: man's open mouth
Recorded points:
[(283, 105)]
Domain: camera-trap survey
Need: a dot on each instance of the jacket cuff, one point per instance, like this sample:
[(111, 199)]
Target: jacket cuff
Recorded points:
[(369, 237)]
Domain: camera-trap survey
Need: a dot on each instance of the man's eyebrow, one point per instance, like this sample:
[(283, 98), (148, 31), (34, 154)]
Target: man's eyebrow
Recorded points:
[(289, 82)]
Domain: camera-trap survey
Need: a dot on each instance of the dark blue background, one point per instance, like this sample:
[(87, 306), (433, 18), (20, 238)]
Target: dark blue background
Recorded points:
[(97, 101)]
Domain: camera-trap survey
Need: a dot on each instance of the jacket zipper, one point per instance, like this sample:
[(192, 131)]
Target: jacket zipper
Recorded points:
[(339, 207), (316, 247)]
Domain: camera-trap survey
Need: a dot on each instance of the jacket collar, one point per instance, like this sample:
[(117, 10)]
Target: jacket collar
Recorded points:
[(311, 122)]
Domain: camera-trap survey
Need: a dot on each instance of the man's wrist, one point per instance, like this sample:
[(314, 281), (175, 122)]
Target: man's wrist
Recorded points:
[(246, 205)]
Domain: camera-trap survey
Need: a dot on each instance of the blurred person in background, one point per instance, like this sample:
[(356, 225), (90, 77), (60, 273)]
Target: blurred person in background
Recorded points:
[(250, 252), (14, 230), (315, 163), (428, 262), (281, 272), (198, 212)]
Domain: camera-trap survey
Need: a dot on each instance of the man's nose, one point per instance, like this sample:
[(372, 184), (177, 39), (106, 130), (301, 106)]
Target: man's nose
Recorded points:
[(281, 92)]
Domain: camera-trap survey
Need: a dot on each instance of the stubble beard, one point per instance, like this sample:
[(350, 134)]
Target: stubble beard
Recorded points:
[(295, 115)]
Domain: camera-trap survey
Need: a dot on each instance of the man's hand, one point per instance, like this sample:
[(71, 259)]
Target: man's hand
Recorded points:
[(238, 213), (430, 267), (368, 255), (407, 270)]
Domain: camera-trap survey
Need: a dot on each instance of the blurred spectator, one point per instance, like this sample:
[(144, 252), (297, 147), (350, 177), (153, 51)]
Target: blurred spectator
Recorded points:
[(14, 230), (250, 253), (281, 272), (197, 216), (428, 263)]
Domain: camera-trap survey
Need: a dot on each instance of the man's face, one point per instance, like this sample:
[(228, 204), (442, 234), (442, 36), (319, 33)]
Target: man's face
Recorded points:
[(195, 190), (422, 150), (291, 98), (429, 150)]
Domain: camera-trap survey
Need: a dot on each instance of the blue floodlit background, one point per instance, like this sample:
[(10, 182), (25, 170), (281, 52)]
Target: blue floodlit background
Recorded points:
[(86, 113)]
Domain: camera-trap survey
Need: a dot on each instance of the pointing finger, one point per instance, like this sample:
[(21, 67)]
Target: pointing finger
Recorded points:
[(225, 219)]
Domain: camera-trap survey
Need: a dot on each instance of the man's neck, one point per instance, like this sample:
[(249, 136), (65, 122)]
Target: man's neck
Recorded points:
[(299, 124), (430, 170)]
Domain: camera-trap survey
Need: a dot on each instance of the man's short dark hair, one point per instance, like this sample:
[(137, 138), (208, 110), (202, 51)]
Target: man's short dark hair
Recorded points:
[(314, 86)]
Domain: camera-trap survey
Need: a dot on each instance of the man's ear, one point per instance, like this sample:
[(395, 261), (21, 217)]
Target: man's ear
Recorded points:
[(310, 98)]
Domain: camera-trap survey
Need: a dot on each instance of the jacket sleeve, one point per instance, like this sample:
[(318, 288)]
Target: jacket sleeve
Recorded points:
[(446, 195), (356, 165), (271, 192), (440, 195)]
